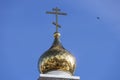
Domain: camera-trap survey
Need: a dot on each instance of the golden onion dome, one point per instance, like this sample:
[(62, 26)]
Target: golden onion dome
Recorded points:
[(57, 58)]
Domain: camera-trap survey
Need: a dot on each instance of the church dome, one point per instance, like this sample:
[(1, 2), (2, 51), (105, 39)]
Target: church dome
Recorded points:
[(57, 58)]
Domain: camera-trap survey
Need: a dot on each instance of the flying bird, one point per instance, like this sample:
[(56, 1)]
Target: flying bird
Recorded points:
[(98, 17)]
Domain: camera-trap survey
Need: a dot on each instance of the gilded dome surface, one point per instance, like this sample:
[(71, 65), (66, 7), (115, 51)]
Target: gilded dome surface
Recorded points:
[(57, 58)]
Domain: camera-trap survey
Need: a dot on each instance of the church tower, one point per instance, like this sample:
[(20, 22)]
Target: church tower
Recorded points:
[(57, 63)]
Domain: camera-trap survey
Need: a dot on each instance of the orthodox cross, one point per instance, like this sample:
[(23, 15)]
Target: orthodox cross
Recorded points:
[(57, 12)]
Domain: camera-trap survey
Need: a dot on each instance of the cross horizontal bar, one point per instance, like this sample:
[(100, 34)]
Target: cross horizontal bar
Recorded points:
[(56, 9), (56, 13), (56, 24)]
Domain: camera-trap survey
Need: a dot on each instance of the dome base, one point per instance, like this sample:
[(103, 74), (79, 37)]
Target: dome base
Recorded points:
[(58, 72), (57, 77)]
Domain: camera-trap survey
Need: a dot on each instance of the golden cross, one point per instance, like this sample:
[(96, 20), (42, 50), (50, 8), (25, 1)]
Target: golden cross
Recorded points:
[(57, 12)]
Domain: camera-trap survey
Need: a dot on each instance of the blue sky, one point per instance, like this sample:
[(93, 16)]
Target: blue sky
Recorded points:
[(26, 32)]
